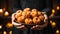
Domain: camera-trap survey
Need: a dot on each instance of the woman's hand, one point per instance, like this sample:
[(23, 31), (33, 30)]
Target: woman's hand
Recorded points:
[(40, 27), (36, 27), (17, 25), (22, 27)]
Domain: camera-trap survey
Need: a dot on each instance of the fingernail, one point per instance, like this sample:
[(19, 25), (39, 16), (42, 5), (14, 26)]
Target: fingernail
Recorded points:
[(36, 25), (22, 25)]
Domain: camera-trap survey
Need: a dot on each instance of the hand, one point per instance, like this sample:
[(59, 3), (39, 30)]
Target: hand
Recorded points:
[(22, 27), (45, 20), (40, 27), (36, 27), (18, 25)]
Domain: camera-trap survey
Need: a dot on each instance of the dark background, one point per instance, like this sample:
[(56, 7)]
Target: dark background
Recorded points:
[(7, 4)]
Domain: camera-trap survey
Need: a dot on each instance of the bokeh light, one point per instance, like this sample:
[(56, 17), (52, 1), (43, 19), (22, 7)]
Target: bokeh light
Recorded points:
[(4, 32), (9, 25), (0, 26), (6, 13), (10, 32), (1, 11), (58, 7), (57, 31), (53, 11), (53, 24)]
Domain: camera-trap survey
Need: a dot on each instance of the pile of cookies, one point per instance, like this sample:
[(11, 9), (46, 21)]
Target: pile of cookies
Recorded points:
[(29, 16)]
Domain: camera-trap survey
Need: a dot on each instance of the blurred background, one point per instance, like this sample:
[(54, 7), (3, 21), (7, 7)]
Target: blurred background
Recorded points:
[(6, 12)]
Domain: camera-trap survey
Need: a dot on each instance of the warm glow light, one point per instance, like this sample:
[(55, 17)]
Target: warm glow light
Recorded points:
[(50, 21), (58, 7), (57, 31), (9, 25), (10, 32), (1, 11), (52, 15), (4, 32), (4, 9), (53, 11), (53, 24), (6, 13), (0, 27)]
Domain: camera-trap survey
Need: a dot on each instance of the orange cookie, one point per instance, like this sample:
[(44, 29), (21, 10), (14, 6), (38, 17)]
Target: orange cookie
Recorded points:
[(36, 20), (28, 14), (39, 13), (41, 17), (24, 14), (34, 10), (28, 21), (34, 14), (17, 15), (26, 9), (19, 11), (20, 19)]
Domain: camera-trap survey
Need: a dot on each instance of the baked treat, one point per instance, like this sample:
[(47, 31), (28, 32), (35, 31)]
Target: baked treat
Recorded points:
[(39, 13), (34, 10), (19, 11), (24, 14), (36, 20), (28, 14), (28, 21), (21, 19), (41, 17), (26, 9), (17, 15), (34, 13)]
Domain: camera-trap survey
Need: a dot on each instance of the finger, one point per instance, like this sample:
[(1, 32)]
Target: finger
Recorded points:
[(22, 26), (36, 25), (33, 27), (45, 20)]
